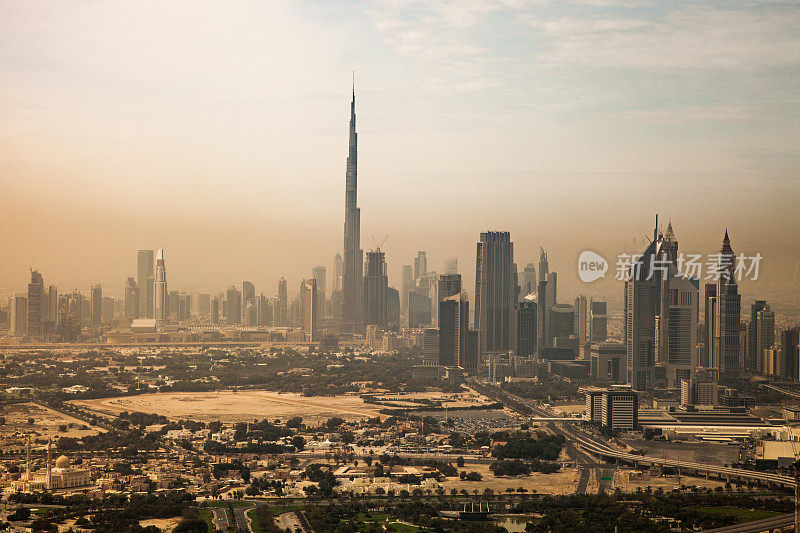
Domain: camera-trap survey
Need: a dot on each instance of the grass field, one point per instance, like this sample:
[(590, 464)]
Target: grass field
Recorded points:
[(206, 515)]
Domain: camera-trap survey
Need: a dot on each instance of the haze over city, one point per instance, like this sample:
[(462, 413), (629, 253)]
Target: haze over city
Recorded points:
[(219, 134)]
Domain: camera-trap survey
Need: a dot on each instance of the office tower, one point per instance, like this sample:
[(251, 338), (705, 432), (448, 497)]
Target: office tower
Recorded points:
[(353, 255), (430, 346), (642, 304), (541, 302), (419, 308), (18, 307), (204, 304), (308, 302), (598, 320), (393, 308), (145, 281), (472, 354), (320, 274), (581, 320), (160, 291), (263, 311), (52, 309), (108, 310), (282, 311), (406, 286), (233, 306), (449, 285), (338, 272), (420, 265), (728, 313), (526, 326), (790, 353), (764, 336), (607, 361), (453, 327), (96, 304), (676, 324), (451, 265), (562, 324), (194, 304), (709, 358), (248, 297), (214, 310), (496, 292), (375, 284), (549, 291), (173, 304), (185, 308), (131, 299), (34, 308), (753, 351), (529, 283)]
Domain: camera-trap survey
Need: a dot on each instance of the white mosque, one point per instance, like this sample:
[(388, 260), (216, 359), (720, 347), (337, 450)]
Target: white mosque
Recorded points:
[(62, 476)]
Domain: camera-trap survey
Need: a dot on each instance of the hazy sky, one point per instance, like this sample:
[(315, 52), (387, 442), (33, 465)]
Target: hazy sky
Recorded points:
[(218, 131)]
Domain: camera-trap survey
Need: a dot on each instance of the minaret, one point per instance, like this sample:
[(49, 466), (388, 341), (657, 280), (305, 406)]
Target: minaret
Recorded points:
[(353, 254), (49, 464), (160, 295)]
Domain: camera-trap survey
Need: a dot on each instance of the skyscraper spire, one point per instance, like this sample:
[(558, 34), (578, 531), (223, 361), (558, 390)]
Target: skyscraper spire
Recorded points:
[(352, 278)]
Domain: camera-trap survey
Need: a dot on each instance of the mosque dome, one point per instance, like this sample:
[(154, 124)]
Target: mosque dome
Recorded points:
[(62, 462)]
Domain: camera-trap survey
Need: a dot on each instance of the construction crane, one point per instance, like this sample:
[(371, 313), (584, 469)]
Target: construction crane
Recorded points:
[(377, 247)]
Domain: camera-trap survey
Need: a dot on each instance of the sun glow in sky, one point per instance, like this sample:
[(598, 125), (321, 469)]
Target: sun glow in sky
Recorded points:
[(218, 131)]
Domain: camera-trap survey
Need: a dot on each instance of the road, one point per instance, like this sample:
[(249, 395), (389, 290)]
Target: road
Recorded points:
[(289, 520), (220, 518), (240, 514), (776, 523)]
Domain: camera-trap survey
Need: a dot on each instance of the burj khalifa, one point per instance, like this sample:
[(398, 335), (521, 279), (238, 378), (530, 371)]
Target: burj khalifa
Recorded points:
[(352, 278)]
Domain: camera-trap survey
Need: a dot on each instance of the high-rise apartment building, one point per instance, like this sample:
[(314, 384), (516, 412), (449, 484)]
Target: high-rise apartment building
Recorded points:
[(496, 291), (320, 274), (145, 281), (376, 283), (352, 281), (541, 302), (160, 291), (233, 306), (282, 310), (582, 324), (36, 299), (451, 265), (526, 326), (96, 306), (790, 353), (406, 285)]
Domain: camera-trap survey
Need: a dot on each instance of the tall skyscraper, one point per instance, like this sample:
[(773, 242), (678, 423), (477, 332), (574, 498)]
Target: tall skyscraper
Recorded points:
[(52, 309), (320, 274), (598, 320), (352, 278), (420, 265), (449, 285), (581, 324), (160, 291), (233, 306), (146, 282), (753, 359), (453, 327), (131, 299), (528, 280), (790, 353), (526, 326), (282, 311), (728, 313), (338, 272), (765, 338), (376, 284), (18, 307), (35, 301), (248, 297), (96, 306), (541, 301), (708, 357), (308, 302), (214, 310), (451, 265), (496, 292), (406, 286)]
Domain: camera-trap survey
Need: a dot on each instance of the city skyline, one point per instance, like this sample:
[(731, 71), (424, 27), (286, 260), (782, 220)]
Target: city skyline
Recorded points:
[(241, 197)]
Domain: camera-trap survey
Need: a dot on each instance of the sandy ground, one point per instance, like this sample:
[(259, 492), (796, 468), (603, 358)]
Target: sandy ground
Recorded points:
[(164, 524), (451, 400), (563, 482), (46, 422), (242, 406), (570, 409)]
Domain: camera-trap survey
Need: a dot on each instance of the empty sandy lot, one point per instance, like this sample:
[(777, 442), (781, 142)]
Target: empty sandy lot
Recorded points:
[(46, 422), (241, 406)]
